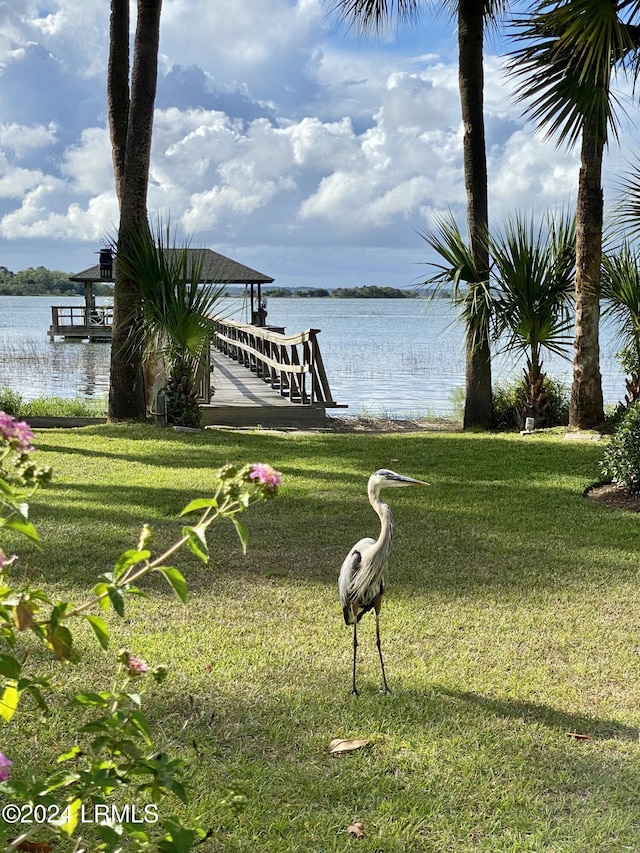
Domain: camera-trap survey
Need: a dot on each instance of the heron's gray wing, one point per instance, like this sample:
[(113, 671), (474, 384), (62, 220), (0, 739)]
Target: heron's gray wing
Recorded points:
[(350, 568)]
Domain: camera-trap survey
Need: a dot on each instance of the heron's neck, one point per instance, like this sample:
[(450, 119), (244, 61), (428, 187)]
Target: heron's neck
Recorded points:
[(386, 521)]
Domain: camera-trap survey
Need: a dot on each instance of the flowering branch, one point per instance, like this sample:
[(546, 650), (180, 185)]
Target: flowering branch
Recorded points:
[(121, 752)]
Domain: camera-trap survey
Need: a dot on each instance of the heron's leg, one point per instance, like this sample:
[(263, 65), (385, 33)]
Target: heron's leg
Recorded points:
[(376, 605), (354, 611)]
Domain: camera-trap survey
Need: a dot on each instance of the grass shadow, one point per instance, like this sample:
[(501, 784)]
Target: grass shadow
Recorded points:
[(572, 725)]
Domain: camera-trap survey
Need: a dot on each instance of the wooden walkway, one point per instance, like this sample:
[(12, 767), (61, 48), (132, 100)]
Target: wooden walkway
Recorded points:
[(242, 399)]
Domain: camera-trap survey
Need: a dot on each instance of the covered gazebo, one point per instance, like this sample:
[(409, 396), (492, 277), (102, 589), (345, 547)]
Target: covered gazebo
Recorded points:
[(95, 323)]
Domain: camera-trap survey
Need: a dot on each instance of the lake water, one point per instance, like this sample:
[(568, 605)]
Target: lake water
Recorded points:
[(394, 357)]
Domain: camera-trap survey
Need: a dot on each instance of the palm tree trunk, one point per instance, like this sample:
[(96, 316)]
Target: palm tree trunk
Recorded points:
[(587, 408), (118, 88), (126, 392), (478, 412)]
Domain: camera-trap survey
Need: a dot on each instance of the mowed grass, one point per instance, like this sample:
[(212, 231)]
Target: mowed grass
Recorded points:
[(510, 625)]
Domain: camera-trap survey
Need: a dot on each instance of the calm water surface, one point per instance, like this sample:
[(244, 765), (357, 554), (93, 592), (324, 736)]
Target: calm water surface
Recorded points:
[(382, 356)]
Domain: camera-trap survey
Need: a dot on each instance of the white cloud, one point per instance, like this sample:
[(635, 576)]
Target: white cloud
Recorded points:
[(19, 138), (255, 32), (531, 173), (76, 32), (16, 182), (273, 130), (88, 165), (35, 218)]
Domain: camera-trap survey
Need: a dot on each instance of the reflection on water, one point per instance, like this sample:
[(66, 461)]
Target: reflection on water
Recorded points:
[(382, 356)]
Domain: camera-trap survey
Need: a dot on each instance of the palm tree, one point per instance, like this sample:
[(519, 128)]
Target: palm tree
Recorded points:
[(459, 275), (472, 16), (571, 52), (176, 312), (531, 299), (621, 295), (131, 125), (524, 304)]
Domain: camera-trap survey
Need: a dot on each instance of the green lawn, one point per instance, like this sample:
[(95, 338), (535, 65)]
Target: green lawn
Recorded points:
[(511, 621)]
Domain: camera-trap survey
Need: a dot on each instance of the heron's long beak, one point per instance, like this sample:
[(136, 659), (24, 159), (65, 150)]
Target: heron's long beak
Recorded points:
[(407, 481)]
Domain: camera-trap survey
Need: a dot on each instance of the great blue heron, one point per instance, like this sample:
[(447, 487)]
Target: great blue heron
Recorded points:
[(363, 575)]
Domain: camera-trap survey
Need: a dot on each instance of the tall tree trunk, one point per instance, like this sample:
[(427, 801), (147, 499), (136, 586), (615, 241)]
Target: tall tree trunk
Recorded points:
[(587, 409), (478, 411), (118, 88), (126, 393)]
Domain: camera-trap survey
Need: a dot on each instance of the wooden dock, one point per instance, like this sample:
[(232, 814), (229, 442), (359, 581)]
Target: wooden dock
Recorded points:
[(242, 399), (262, 377), (81, 323)]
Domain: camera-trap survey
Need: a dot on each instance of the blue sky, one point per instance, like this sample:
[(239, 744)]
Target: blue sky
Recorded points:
[(280, 139)]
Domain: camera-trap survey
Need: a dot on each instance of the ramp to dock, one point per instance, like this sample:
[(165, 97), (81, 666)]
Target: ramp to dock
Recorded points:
[(264, 377), (242, 399)]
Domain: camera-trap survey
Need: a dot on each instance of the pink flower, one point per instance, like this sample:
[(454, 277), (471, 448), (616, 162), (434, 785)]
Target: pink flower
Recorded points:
[(6, 561), (16, 433), (136, 666), (5, 764), (265, 474)]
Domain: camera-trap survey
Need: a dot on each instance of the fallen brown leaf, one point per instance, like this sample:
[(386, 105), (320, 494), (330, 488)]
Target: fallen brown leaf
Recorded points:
[(356, 829), (346, 744), (32, 846)]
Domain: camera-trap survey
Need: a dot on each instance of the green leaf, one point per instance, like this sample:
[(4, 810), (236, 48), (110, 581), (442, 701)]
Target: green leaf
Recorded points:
[(199, 503), (179, 839), (117, 599), (21, 526), (58, 613), (112, 838), (177, 581), (100, 591), (140, 722), (61, 779), (100, 630), (9, 667), (243, 533), (69, 754), (37, 695), (9, 702), (59, 640), (129, 558), (197, 542), (99, 699), (70, 816)]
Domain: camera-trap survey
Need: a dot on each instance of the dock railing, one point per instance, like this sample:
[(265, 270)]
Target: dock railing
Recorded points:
[(290, 364), (74, 321)]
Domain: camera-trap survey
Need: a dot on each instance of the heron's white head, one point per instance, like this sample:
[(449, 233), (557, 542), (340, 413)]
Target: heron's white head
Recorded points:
[(383, 478)]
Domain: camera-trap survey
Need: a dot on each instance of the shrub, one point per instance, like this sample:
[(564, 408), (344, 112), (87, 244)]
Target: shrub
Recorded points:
[(508, 405), (621, 460), (14, 404), (11, 402)]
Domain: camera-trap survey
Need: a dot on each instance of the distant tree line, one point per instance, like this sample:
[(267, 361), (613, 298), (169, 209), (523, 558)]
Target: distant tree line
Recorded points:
[(43, 282), (368, 292)]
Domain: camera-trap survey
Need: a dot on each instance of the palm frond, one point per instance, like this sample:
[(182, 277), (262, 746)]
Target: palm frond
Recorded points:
[(459, 275), (176, 305), (459, 267), (532, 285), (620, 285), (627, 206), (374, 16), (564, 69)]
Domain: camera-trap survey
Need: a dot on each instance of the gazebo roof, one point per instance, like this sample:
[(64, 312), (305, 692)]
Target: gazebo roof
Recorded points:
[(216, 268)]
